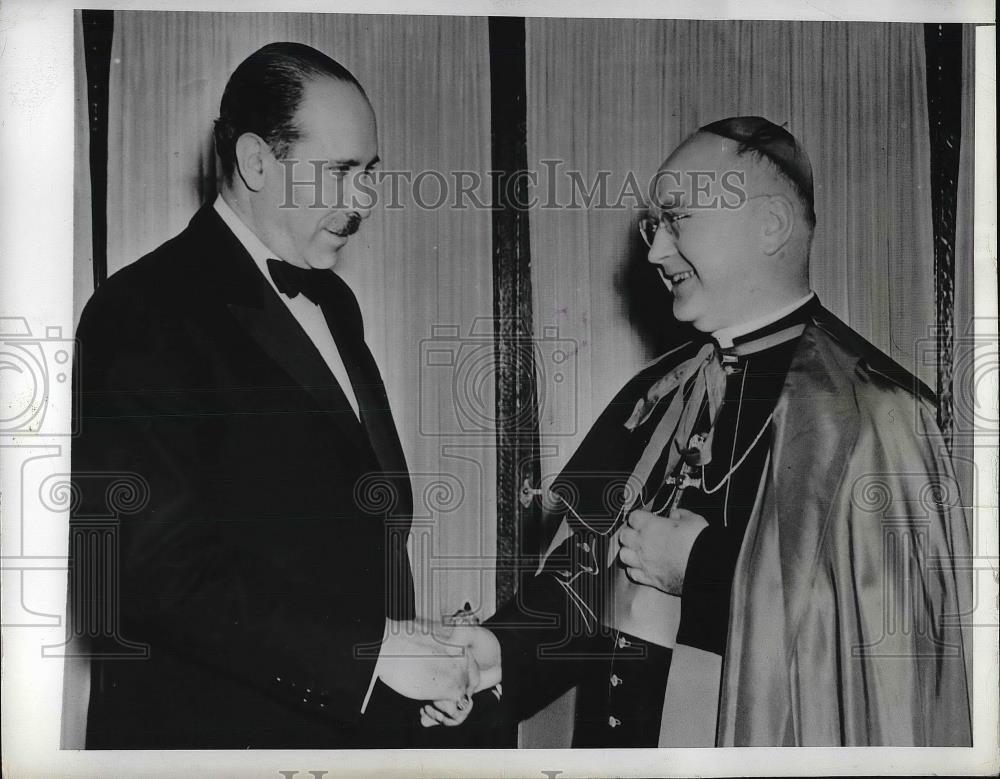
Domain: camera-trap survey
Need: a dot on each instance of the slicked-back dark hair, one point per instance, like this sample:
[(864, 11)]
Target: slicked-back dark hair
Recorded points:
[(765, 140), (263, 95)]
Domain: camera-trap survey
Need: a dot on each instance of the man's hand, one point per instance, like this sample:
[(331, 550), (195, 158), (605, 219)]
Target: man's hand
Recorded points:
[(484, 648), (655, 549), (435, 662), (417, 662)]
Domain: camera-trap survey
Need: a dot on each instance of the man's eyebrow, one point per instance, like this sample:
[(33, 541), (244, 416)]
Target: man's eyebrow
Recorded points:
[(353, 163)]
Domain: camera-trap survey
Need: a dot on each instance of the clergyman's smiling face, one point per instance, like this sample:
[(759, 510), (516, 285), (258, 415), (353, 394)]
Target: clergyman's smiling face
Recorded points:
[(705, 249)]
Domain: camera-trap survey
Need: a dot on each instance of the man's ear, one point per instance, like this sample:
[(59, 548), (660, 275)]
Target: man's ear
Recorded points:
[(252, 153), (778, 223)]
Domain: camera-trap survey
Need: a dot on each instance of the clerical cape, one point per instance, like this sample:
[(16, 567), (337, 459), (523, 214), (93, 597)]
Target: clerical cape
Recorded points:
[(852, 587)]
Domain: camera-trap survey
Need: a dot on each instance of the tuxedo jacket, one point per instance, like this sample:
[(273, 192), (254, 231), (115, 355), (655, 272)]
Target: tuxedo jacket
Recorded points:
[(235, 595)]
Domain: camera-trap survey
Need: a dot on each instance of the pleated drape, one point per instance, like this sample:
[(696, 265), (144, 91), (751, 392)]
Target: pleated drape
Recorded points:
[(412, 268), (83, 234), (76, 670), (618, 95), (967, 420), (608, 95)]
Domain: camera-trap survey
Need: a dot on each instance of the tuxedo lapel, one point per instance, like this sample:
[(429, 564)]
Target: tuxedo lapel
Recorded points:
[(344, 320), (255, 306), (275, 330)]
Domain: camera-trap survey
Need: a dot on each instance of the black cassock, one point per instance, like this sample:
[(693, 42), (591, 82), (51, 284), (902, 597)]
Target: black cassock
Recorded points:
[(550, 643)]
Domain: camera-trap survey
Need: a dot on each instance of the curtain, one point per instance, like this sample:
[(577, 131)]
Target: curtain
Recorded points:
[(76, 670), (618, 95), (423, 276), (963, 412), (83, 236)]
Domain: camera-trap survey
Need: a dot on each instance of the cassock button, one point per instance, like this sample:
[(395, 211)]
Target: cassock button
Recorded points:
[(614, 722), (615, 680)]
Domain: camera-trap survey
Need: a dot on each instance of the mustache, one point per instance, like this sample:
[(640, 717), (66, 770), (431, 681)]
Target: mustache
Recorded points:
[(351, 224)]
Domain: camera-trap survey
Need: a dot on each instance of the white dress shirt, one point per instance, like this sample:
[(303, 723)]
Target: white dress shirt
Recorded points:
[(308, 314)]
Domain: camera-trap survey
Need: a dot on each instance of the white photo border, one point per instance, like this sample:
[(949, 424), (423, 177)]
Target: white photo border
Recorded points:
[(36, 283)]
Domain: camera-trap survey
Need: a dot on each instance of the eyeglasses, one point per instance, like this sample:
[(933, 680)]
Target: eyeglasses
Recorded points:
[(650, 225)]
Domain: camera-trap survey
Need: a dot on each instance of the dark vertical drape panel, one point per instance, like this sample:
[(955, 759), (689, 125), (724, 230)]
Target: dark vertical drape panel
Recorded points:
[(944, 102), (517, 416), (98, 30)]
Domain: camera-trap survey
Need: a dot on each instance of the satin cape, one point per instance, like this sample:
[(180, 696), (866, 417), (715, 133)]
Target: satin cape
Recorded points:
[(853, 581)]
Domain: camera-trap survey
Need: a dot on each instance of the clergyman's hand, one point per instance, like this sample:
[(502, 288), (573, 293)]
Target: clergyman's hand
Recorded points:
[(417, 661), (655, 549), (450, 713)]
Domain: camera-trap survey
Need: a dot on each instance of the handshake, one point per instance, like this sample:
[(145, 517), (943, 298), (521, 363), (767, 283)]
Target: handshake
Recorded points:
[(445, 664)]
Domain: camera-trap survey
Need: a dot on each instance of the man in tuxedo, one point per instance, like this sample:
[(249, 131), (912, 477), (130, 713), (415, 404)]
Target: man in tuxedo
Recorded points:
[(259, 570), (762, 538)]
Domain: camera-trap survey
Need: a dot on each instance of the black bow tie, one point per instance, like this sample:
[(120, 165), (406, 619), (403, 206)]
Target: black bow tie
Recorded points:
[(291, 280)]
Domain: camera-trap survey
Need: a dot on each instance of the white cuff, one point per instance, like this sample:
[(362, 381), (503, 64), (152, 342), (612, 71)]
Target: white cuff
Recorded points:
[(371, 684)]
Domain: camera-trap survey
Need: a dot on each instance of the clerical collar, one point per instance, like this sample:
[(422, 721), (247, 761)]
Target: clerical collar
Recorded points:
[(764, 326)]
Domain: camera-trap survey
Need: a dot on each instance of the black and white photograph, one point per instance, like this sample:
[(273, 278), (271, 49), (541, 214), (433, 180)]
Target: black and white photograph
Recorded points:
[(498, 391)]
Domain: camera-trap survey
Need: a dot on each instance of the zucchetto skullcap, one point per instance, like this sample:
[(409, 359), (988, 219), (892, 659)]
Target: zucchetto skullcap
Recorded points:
[(757, 134)]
